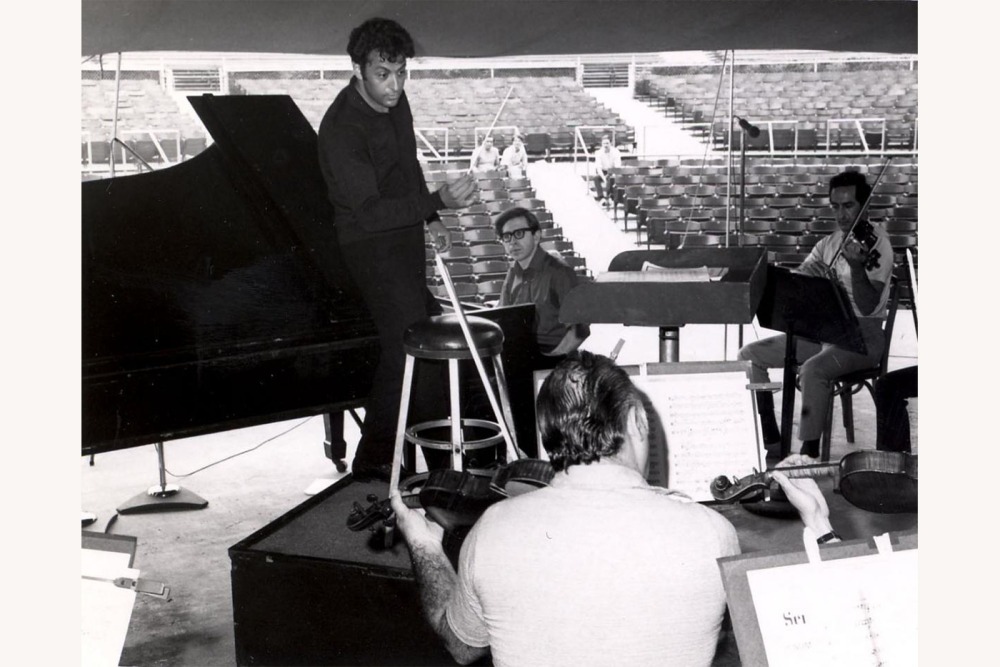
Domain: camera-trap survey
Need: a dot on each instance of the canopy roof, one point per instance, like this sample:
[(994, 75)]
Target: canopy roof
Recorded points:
[(490, 28)]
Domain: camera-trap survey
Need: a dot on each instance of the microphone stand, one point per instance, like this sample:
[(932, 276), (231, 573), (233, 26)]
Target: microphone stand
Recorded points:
[(743, 197)]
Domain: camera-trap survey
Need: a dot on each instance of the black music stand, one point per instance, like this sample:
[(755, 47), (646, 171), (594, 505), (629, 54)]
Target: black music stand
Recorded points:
[(809, 307)]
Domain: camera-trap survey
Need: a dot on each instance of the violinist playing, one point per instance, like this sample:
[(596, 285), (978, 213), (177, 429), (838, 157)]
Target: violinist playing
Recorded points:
[(863, 267), (598, 568)]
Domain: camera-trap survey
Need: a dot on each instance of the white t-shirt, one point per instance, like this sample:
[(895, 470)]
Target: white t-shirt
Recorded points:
[(597, 569)]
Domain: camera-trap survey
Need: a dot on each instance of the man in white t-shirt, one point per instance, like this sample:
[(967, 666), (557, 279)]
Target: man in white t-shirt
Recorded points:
[(599, 568), (515, 158), (486, 157), (606, 158)]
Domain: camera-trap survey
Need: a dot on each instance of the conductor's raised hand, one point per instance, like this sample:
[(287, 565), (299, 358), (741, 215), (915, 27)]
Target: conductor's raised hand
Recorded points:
[(417, 529), (459, 193), (440, 235)]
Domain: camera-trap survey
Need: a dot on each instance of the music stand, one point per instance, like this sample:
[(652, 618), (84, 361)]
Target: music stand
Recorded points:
[(808, 307)]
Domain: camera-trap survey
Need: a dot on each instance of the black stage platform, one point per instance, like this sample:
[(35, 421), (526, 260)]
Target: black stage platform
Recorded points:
[(308, 591)]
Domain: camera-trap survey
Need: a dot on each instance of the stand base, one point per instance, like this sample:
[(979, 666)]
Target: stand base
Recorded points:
[(169, 498)]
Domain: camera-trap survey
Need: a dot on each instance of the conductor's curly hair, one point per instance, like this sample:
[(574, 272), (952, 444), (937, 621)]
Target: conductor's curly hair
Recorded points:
[(583, 409), (385, 36)]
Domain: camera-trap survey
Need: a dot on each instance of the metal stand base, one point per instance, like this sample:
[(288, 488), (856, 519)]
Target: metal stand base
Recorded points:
[(163, 497), (158, 499)]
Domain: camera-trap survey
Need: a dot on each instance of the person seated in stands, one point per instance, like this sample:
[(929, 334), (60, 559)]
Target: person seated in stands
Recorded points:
[(514, 158), (599, 568), (486, 157), (892, 422), (538, 277), (606, 158), (867, 287)]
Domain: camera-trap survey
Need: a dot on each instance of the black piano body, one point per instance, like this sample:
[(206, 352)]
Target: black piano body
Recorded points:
[(214, 293)]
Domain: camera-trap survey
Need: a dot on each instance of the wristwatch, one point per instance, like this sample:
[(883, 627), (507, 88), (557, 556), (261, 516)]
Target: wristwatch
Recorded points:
[(829, 537)]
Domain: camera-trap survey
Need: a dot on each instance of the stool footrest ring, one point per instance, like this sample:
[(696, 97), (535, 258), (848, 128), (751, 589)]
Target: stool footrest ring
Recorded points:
[(412, 434)]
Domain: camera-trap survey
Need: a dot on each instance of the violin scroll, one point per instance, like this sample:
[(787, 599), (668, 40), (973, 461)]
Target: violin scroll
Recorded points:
[(730, 490)]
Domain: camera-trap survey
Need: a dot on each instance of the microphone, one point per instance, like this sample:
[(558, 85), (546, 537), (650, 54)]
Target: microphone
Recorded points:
[(752, 130)]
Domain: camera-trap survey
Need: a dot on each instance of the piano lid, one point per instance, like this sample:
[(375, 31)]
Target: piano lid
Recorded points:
[(232, 251)]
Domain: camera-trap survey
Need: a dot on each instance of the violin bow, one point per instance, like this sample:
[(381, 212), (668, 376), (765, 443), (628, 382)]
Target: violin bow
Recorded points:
[(864, 209), (504, 419)]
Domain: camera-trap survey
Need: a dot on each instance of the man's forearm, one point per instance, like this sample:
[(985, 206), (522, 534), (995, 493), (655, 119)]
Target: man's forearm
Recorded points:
[(437, 580)]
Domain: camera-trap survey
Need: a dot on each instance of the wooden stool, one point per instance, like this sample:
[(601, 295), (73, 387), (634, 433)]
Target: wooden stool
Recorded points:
[(441, 338)]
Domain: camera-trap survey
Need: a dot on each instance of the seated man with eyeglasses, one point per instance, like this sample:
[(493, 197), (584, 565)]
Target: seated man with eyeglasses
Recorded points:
[(538, 277)]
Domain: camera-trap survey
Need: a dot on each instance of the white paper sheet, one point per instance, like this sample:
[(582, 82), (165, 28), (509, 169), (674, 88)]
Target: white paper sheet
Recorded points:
[(709, 426), (105, 608), (858, 611)]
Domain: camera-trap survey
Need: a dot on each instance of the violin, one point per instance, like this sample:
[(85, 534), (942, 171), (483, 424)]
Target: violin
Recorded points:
[(875, 481), (455, 499), (862, 231)]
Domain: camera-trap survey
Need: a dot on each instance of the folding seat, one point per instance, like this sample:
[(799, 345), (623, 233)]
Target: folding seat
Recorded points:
[(785, 226), (761, 191), (521, 196), (486, 250), (478, 220), (781, 202), (499, 206), (714, 202), (824, 226), (562, 246), (884, 188), (493, 195), (699, 190), (900, 226), (479, 236), (676, 190)]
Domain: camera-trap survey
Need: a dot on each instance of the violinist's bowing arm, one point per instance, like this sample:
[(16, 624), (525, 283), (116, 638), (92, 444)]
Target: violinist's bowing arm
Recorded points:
[(436, 578)]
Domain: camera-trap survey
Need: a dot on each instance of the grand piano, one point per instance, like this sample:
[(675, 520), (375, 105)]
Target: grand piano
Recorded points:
[(214, 293)]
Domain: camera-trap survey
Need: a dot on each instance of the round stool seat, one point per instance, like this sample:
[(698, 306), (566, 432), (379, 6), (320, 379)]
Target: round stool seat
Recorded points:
[(441, 337)]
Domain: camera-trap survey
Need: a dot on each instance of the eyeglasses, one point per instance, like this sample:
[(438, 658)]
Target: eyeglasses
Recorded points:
[(518, 234)]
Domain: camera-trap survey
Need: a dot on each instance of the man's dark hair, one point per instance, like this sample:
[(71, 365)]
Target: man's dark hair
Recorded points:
[(846, 179), (516, 212), (384, 36), (583, 409)]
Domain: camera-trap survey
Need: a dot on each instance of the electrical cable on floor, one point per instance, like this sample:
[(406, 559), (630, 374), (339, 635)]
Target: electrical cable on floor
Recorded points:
[(246, 451)]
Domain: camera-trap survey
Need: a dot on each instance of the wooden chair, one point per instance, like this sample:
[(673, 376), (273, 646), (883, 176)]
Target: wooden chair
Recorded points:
[(848, 385)]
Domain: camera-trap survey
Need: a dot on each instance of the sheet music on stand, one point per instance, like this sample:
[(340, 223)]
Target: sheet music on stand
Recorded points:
[(652, 273), (701, 423), (855, 611), (704, 423)]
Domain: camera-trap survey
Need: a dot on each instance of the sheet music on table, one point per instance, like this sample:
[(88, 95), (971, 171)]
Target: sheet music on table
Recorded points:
[(706, 423), (652, 273)]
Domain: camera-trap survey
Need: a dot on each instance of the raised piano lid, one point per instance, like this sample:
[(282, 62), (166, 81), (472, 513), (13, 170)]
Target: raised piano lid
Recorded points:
[(222, 269)]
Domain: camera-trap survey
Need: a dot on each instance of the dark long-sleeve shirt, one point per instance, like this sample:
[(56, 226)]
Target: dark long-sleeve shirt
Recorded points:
[(369, 162)]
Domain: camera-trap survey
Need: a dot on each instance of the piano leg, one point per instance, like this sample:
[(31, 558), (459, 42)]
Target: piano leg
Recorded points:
[(335, 447), (163, 497)]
